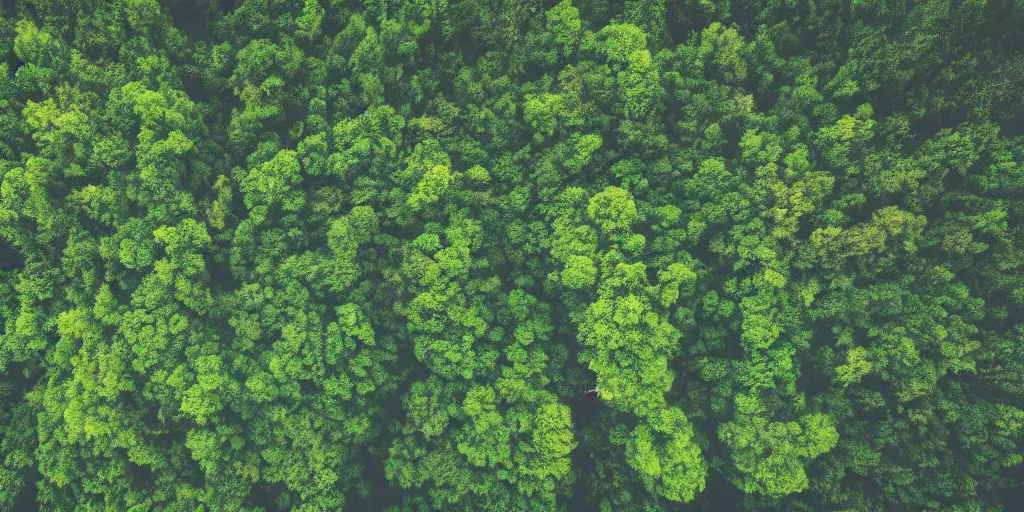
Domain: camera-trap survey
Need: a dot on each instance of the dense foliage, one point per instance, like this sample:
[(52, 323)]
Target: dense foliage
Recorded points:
[(511, 255)]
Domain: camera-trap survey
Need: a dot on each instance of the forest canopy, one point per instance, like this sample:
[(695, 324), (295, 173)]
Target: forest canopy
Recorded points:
[(505, 255)]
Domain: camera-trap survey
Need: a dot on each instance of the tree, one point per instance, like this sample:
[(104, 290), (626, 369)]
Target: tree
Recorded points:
[(499, 255)]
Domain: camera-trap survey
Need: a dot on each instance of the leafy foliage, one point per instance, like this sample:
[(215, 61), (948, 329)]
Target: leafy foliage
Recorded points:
[(480, 255)]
